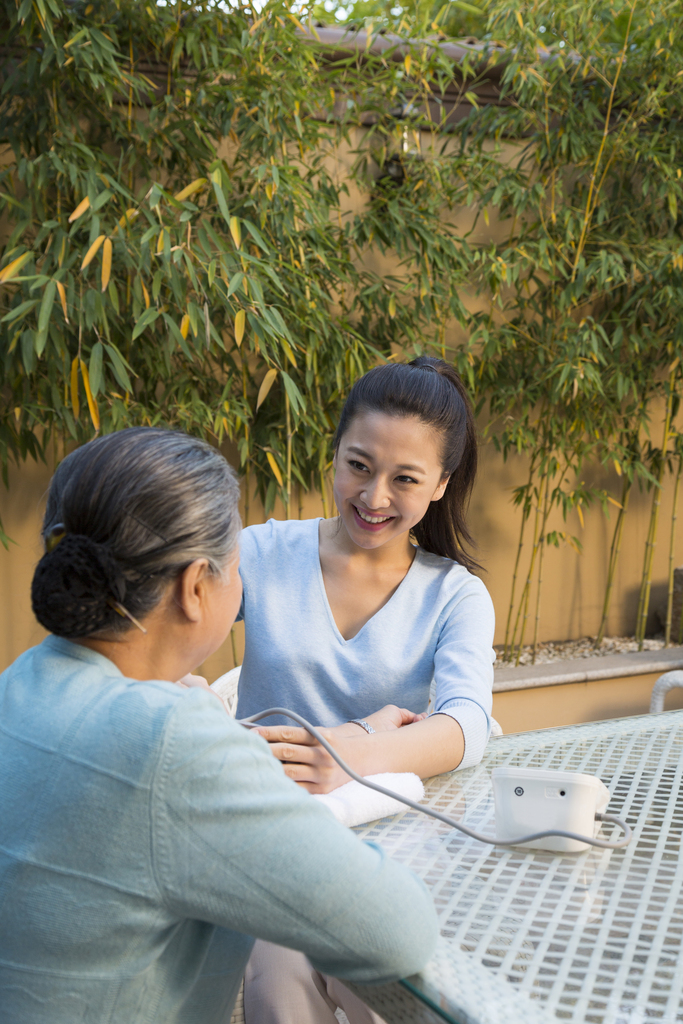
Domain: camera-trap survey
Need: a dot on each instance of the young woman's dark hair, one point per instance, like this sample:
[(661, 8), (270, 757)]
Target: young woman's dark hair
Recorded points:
[(431, 390)]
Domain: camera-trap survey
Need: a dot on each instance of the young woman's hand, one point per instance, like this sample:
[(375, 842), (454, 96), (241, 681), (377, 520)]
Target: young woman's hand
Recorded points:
[(391, 717)]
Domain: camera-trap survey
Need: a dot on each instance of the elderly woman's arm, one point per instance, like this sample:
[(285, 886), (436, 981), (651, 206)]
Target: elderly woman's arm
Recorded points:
[(237, 844)]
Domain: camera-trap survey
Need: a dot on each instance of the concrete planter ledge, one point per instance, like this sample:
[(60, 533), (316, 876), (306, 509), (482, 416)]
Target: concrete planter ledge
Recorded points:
[(585, 670)]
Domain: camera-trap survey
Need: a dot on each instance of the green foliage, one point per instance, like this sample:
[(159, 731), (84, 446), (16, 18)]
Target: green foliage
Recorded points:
[(180, 231)]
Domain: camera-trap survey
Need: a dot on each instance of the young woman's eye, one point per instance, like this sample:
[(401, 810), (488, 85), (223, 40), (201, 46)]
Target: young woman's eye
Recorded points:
[(406, 480), (354, 464)]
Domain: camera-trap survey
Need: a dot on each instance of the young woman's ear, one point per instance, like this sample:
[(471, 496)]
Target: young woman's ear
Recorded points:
[(441, 488)]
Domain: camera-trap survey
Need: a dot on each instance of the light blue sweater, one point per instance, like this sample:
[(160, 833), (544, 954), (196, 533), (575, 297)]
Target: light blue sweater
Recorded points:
[(438, 624), (144, 836)]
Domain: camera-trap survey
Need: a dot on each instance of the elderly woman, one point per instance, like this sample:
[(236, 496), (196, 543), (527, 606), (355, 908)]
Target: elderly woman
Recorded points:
[(145, 836)]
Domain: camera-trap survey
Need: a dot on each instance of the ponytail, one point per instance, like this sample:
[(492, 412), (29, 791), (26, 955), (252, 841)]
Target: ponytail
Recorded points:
[(431, 390)]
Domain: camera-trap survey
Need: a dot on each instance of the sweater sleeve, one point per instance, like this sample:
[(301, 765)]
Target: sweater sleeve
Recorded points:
[(238, 844), (463, 667)]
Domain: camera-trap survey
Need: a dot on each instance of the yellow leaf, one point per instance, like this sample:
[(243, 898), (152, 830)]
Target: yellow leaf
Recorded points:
[(407, 61), (190, 189), (80, 210), (617, 466), (92, 251), (288, 352), (106, 264), (580, 513), (266, 385), (92, 404), (236, 231), (74, 387), (615, 502), (519, 19), (185, 326), (62, 296), (240, 319), (160, 242), (274, 466), (14, 267), (128, 216), (392, 306), (269, 192), (145, 294), (259, 21)]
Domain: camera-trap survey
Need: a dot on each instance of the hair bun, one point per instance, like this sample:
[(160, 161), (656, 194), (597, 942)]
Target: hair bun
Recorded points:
[(73, 587)]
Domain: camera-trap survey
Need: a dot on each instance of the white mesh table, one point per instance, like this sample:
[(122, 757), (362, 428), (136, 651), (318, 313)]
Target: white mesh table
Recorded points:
[(528, 935)]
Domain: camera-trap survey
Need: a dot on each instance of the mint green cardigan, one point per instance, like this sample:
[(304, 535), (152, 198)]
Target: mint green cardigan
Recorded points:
[(145, 837)]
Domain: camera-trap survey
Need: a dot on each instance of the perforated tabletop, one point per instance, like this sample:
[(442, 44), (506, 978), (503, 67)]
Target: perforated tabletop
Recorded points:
[(529, 935)]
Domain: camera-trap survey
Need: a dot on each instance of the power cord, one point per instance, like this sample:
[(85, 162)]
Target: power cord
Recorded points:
[(249, 723)]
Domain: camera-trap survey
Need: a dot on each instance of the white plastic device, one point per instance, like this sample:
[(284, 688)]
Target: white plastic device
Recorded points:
[(529, 800)]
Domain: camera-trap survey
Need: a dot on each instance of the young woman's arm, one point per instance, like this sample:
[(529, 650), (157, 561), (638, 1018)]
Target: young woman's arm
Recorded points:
[(428, 746)]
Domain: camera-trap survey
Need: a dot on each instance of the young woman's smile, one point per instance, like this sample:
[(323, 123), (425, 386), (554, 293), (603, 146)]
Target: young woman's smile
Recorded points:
[(388, 470)]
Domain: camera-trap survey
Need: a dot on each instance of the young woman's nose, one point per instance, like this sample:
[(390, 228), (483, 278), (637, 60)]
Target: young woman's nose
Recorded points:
[(375, 495)]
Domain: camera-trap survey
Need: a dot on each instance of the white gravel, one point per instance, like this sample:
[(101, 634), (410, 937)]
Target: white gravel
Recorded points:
[(564, 650)]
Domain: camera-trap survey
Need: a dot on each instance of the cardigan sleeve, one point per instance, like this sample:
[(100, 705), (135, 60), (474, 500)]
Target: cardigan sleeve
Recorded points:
[(238, 844)]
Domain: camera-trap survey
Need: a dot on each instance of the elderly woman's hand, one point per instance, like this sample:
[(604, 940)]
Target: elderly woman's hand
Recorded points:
[(310, 765)]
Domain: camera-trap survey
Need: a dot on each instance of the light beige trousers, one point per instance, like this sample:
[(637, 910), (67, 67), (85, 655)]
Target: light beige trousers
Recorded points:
[(282, 987)]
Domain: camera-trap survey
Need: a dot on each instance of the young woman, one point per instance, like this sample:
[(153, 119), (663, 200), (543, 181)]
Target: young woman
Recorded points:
[(349, 620), (146, 836)]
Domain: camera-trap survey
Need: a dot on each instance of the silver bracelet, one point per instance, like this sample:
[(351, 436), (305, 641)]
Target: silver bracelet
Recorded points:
[(363, 724)]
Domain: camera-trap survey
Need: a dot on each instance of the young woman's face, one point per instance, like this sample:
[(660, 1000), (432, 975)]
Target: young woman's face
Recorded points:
[(388, 470)]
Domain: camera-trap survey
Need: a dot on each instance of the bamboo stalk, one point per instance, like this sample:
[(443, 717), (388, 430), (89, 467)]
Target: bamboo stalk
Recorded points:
[(540, 577), (523, 609), (672, 551), (526, 511), (614, 558), (288, 468), (323, 494), (646, 583)]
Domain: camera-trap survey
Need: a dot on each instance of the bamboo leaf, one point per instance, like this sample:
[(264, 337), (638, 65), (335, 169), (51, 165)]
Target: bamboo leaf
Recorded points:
[(240, 319), (95, 373), (92, 251), (216, 180), (80, 209), (92, 404), (190, 189), (266, 385), (118, 367), (44, 316), (106, 263), (20, 311), (236, 231), (62, 299), (275, 468), (144, 321), (13, 268), (184, 326), (74, 388)]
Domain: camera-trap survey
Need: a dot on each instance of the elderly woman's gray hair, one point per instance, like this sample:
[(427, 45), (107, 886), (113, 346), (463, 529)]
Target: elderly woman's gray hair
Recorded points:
[(126, 513)]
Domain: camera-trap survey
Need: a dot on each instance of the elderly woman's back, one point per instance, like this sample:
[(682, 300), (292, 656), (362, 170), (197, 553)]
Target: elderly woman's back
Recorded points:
[(145, 837)]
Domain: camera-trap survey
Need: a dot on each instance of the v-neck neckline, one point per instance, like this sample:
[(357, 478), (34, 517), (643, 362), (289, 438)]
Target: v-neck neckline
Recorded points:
[(326, 601)]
